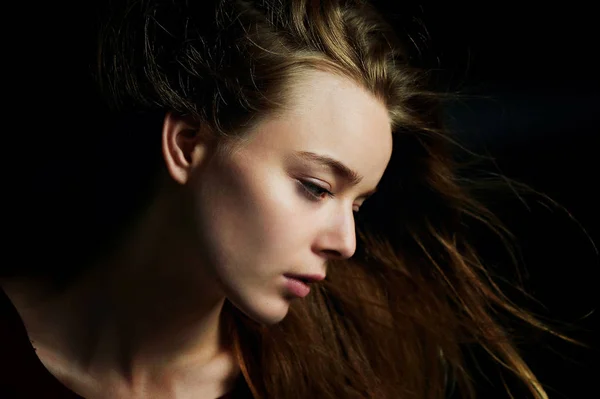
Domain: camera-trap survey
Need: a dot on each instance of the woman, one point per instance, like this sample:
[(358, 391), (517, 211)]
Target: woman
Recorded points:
[(259, 267)]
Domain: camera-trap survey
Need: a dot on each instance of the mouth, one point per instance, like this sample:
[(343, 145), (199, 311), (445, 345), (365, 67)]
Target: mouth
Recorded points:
[(296, 286), (306, 278)]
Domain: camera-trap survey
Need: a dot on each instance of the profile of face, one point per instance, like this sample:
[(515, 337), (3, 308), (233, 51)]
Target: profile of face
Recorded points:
[(263, 210)]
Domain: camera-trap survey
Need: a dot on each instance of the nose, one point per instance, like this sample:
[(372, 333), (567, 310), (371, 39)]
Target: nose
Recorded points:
[(339, 238)]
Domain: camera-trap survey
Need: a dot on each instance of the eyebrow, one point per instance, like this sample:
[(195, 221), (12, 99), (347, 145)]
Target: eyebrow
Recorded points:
[(351, 176)]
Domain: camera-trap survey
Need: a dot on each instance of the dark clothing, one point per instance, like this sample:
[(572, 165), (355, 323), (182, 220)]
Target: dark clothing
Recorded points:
[(22, 374)]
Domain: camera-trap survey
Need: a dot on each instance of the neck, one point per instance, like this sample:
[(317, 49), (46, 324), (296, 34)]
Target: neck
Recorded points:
[(149, 311)]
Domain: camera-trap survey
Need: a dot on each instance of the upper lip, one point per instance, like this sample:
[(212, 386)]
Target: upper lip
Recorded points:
[(307, 278)]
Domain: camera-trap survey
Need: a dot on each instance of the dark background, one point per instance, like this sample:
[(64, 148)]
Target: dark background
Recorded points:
[(531, 73), (532, 99)]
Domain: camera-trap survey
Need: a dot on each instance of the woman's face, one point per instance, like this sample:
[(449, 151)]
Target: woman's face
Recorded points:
[(262, 211)]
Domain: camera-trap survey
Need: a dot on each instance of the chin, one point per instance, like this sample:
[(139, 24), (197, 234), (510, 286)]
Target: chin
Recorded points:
[(267, 311)]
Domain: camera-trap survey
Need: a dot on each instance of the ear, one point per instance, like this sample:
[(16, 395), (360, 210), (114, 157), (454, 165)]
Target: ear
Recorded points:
[(185, 145)]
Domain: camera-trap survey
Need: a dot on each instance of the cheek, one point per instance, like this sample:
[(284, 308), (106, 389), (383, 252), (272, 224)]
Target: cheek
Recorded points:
[(249, 220)]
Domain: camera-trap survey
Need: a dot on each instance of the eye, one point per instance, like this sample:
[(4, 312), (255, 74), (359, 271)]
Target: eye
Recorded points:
[(314, 191)]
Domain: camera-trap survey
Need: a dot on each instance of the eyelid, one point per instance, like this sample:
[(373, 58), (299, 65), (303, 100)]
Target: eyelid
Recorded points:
[(317, 182), (305, 183)]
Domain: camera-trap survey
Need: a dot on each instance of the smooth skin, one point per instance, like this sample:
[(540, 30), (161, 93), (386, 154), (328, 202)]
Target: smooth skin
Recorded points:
[(146, 322)]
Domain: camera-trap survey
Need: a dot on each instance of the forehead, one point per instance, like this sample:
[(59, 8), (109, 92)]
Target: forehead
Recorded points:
[(321, 99), (330, 115)]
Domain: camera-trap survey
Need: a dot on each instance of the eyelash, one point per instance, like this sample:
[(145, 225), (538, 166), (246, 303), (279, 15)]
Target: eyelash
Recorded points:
[(310, 188)]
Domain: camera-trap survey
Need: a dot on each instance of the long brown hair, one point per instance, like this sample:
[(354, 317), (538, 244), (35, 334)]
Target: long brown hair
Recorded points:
[(397, 319)]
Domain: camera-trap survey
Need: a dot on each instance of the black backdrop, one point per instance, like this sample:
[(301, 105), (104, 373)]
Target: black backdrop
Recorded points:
[(536, 66)]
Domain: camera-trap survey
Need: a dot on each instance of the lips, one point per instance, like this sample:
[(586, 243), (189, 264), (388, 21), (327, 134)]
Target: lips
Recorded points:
[(297, 287), (306, 278)]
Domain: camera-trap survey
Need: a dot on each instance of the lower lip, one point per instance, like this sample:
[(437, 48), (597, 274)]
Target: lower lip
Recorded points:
[(297, 287)]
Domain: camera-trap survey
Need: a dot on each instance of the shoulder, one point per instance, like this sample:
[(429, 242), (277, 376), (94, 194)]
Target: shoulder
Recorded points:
[(22, 373)]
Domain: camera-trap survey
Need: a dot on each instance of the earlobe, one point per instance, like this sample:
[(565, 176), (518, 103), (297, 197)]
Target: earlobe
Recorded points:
[(183, 146)]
